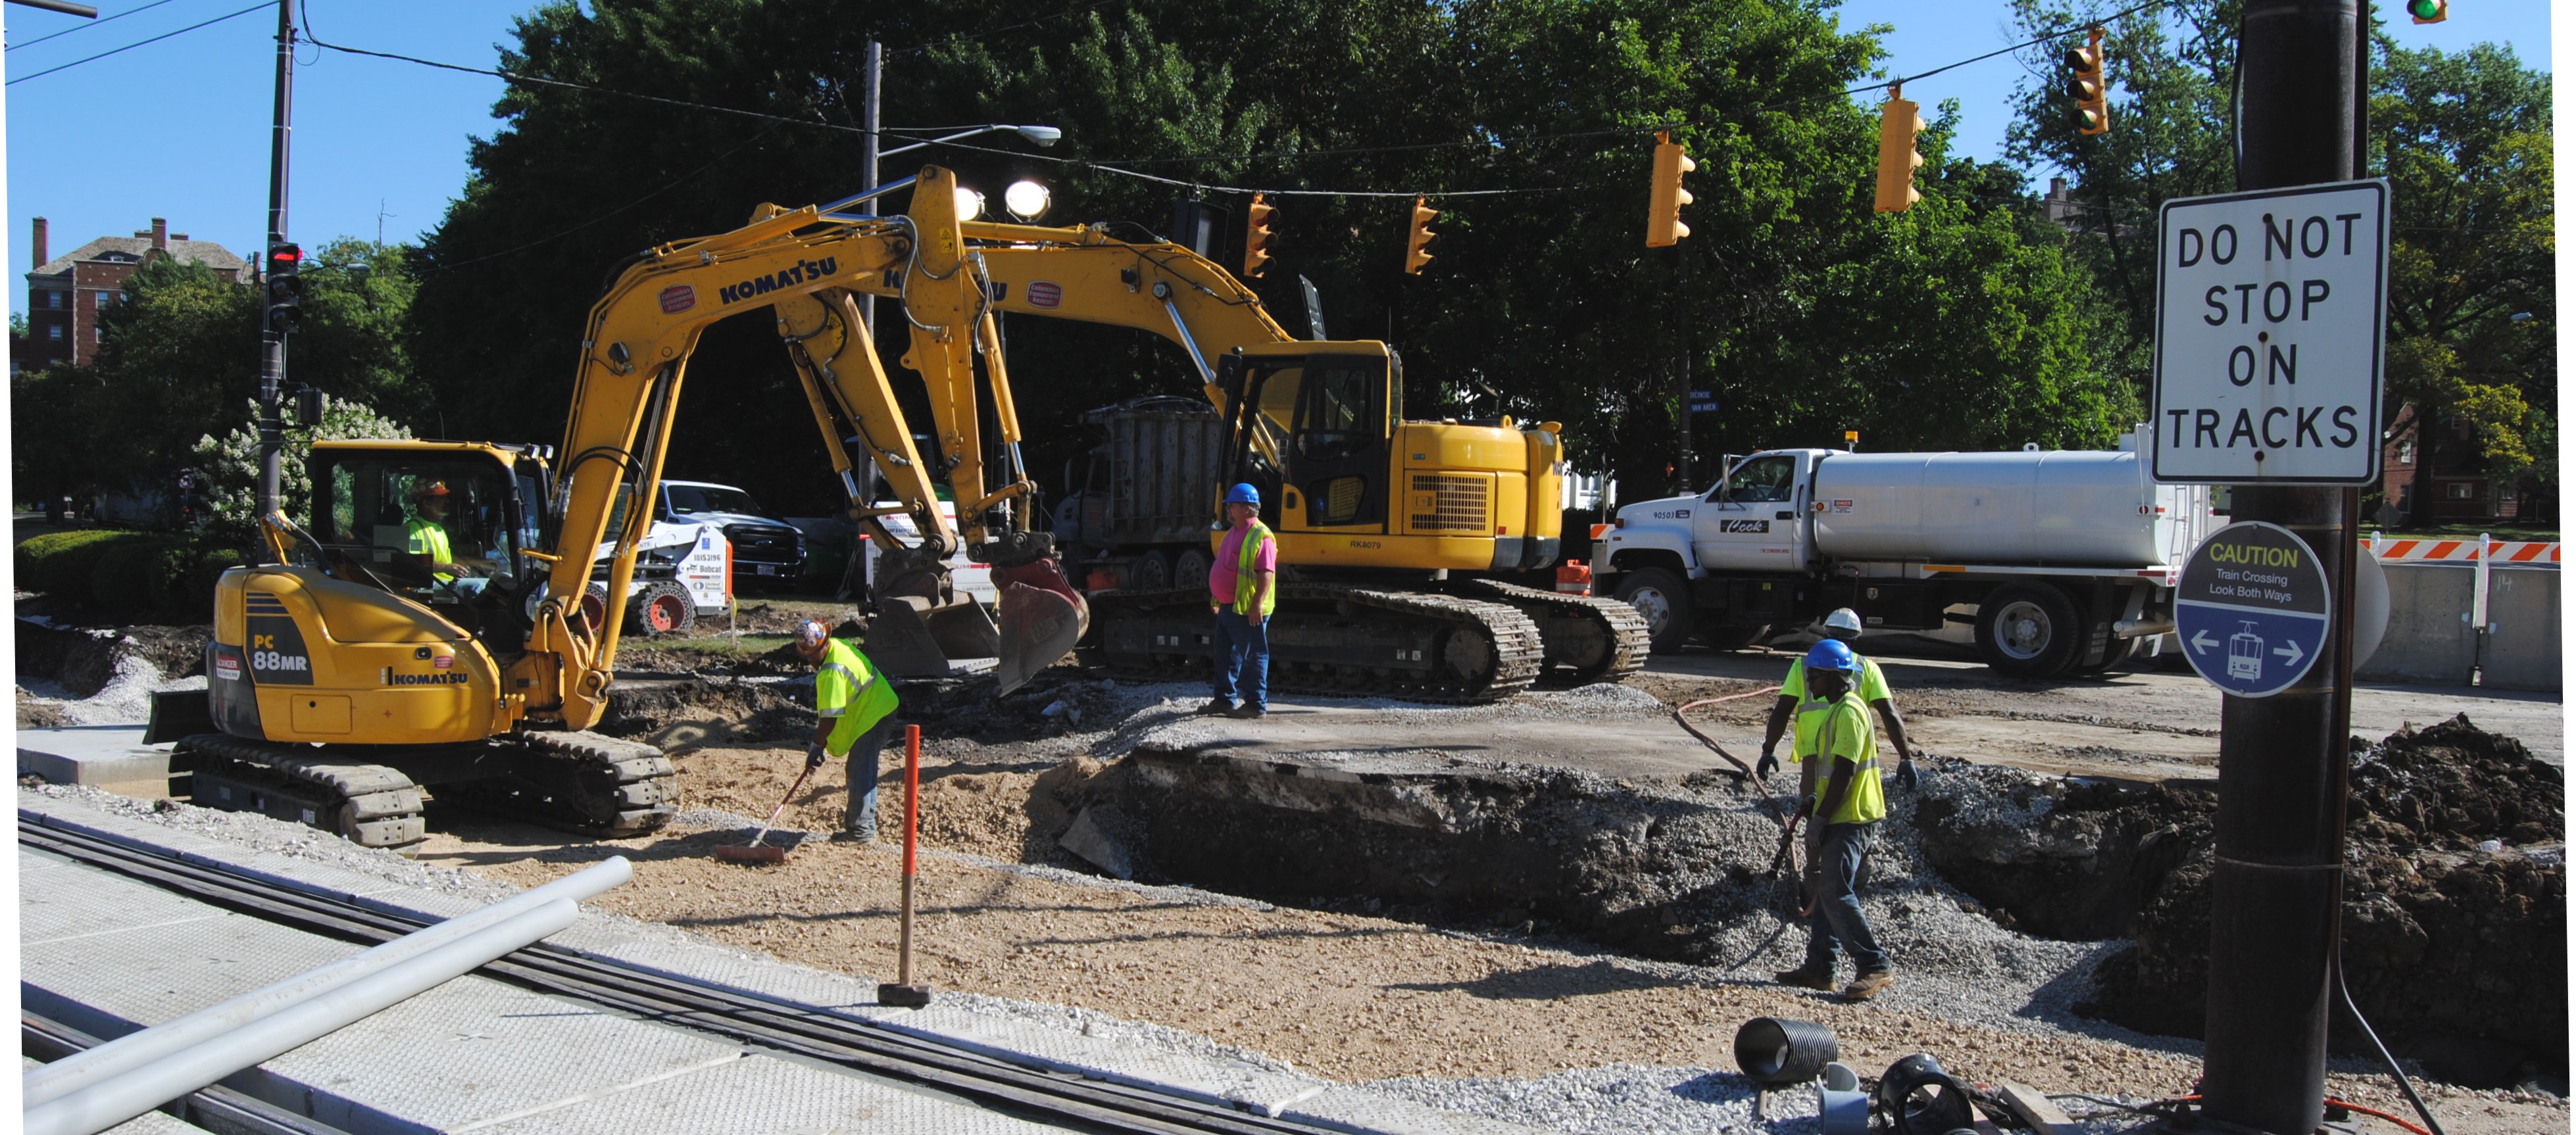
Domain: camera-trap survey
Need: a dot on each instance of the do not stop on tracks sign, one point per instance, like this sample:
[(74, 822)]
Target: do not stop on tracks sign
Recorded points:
[(2253, 610)]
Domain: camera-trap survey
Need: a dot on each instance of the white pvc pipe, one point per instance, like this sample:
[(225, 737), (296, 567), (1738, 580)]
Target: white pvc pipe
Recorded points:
[(99, 1106), (81, 1069)]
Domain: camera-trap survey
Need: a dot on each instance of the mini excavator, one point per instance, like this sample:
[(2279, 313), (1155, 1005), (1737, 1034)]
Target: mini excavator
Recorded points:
[(433, 623)]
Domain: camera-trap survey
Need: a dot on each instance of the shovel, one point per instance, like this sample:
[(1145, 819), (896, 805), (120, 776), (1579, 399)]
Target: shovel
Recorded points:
[(755, 852)]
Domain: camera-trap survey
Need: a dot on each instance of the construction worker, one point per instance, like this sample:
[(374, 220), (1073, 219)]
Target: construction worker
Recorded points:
[(1795, 704), (1242, 591), (1842, 822), (854, 711), (425, 534)]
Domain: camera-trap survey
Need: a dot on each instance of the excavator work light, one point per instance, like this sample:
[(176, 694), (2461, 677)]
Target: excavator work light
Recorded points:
[(970, 204), (1026, 199)]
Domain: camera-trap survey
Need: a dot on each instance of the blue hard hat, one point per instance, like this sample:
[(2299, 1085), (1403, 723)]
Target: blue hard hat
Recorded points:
[(1831, 654), (1243, 493)]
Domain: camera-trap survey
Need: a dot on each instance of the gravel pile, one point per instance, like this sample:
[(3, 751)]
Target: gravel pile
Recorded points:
[(126, 700)]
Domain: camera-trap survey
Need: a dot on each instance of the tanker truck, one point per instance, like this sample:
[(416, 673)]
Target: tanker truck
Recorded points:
[(2062, 561)]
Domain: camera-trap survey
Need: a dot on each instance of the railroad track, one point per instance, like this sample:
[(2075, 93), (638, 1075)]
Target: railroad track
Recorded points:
[(1048, 1097)]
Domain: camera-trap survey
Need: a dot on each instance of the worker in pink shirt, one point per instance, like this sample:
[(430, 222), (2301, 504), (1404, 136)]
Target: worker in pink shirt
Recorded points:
[(1243, 590)]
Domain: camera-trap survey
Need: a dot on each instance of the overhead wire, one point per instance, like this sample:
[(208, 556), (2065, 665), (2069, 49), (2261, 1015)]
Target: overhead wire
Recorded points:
[(1118, 167), (135, 44), (85, 26)]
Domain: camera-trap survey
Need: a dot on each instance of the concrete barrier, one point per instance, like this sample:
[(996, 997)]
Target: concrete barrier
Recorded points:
[(2430, 640)]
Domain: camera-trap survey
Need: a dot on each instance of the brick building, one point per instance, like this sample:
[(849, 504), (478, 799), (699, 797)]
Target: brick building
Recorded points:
[(65, 294), (2461, 491)]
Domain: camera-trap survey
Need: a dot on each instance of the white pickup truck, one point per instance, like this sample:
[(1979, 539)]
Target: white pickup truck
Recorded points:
[(2063, 561)]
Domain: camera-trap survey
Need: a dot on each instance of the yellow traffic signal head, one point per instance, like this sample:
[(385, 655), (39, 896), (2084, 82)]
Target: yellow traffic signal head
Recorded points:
[(1256, 237), (1899, 122), (1665, 197), (1414, 256), (2084, 83)]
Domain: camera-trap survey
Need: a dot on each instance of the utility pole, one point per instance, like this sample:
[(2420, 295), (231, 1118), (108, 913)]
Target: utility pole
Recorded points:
[(873, 80), (272, 337), (1681, 294), (2276, 891)]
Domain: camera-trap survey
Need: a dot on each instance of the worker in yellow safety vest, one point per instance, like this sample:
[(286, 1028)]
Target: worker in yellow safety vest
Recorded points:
[(854, 708), (1242, 591), (1843, 817), (1796, 703)]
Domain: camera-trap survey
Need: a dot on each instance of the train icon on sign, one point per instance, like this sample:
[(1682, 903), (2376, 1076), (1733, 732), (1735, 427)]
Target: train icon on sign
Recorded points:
[(2245, 654)]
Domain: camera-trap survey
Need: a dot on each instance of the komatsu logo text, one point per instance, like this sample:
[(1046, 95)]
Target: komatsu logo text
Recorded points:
[(803, 271), (451, 678)]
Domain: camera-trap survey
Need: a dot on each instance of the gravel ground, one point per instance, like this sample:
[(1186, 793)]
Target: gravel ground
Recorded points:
[(1521, 1026)]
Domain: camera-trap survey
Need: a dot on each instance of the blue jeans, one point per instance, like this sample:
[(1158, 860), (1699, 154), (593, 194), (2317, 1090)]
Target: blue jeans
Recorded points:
[(1242, 659), (862, 816), (1835, 869)]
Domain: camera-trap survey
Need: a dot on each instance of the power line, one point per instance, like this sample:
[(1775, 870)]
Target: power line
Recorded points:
[(86, 26), (1117, 166), (133, 45)]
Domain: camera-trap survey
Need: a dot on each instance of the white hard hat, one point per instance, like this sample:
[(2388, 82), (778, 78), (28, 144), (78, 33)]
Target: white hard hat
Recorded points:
[(1843, 623)]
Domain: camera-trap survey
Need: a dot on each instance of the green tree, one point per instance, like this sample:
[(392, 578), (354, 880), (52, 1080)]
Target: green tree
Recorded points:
[(182, 348), (231, 465), (2464, 140)]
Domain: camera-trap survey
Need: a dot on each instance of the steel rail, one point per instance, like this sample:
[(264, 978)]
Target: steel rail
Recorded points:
[(650, 996), (214, 1106)]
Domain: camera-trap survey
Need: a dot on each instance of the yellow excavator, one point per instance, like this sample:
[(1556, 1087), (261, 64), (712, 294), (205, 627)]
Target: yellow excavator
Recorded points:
[(434, 623), (1392, 533)]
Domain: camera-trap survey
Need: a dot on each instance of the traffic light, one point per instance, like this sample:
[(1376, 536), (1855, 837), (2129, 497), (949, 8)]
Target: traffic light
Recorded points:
[(2429, 11), (1898, 123), (285, 287), (1256, 238), (2084, 84), (1665, 198), (1414, 256)]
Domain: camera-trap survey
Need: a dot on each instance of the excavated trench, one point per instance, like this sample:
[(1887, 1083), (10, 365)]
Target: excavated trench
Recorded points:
[(2454, 921)]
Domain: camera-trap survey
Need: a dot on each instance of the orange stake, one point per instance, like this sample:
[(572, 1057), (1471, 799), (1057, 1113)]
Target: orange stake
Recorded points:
[(902, 992)]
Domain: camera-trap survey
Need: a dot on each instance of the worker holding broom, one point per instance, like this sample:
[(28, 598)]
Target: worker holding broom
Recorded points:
[(854, 711)]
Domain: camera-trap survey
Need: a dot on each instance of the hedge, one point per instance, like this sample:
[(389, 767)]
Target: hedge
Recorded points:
[(124, 573)]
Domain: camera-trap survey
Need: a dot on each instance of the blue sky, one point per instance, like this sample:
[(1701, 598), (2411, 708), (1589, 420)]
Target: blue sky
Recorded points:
[(179, 128)]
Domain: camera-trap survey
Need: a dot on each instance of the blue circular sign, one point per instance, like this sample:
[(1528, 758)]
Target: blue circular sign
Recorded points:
[(2252, 609)]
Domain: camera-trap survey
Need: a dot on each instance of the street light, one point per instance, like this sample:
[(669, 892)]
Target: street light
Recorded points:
[(1026, 199), (1042, 135)]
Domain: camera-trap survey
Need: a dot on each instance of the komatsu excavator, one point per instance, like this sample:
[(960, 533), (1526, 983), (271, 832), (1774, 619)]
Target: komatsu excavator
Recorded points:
[(1390, 531), (433, 625)]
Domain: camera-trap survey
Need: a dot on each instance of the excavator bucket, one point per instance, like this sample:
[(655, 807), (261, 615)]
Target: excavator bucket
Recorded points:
[(1042, 617), (912, 636)]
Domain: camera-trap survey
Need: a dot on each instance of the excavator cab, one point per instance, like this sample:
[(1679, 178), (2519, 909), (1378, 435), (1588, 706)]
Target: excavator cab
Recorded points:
[(444, 525), (1313, 427)]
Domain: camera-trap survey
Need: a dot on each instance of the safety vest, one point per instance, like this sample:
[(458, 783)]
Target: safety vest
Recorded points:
[(428, 538), (1843, 733), (851, 688), (1244, 580)]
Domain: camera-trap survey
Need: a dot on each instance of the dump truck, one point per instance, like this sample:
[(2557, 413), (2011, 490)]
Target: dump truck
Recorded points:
[(2063, 561)]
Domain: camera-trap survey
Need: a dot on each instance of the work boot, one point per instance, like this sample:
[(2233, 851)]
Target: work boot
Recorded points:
[(1216, 707), (1248, 712), (855, 835), (1867, 985), (1807, 977)]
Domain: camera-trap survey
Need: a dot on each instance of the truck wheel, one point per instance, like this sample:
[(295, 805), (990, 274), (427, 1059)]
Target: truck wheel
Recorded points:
[(2119, 654), (1149, 572), (1664, 601), (662, 609), (1190, 567), (2028, 630)]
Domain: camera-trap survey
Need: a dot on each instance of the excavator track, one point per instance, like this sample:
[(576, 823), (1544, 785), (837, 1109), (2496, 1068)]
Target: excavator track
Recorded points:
[(1587, 639), (1333, 639), (582, 782), (370, 805)]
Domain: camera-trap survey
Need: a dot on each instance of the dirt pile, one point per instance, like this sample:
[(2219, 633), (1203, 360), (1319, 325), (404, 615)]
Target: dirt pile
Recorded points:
[(681, 714), (2061, 859), (85, 660), (2455, 908)]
